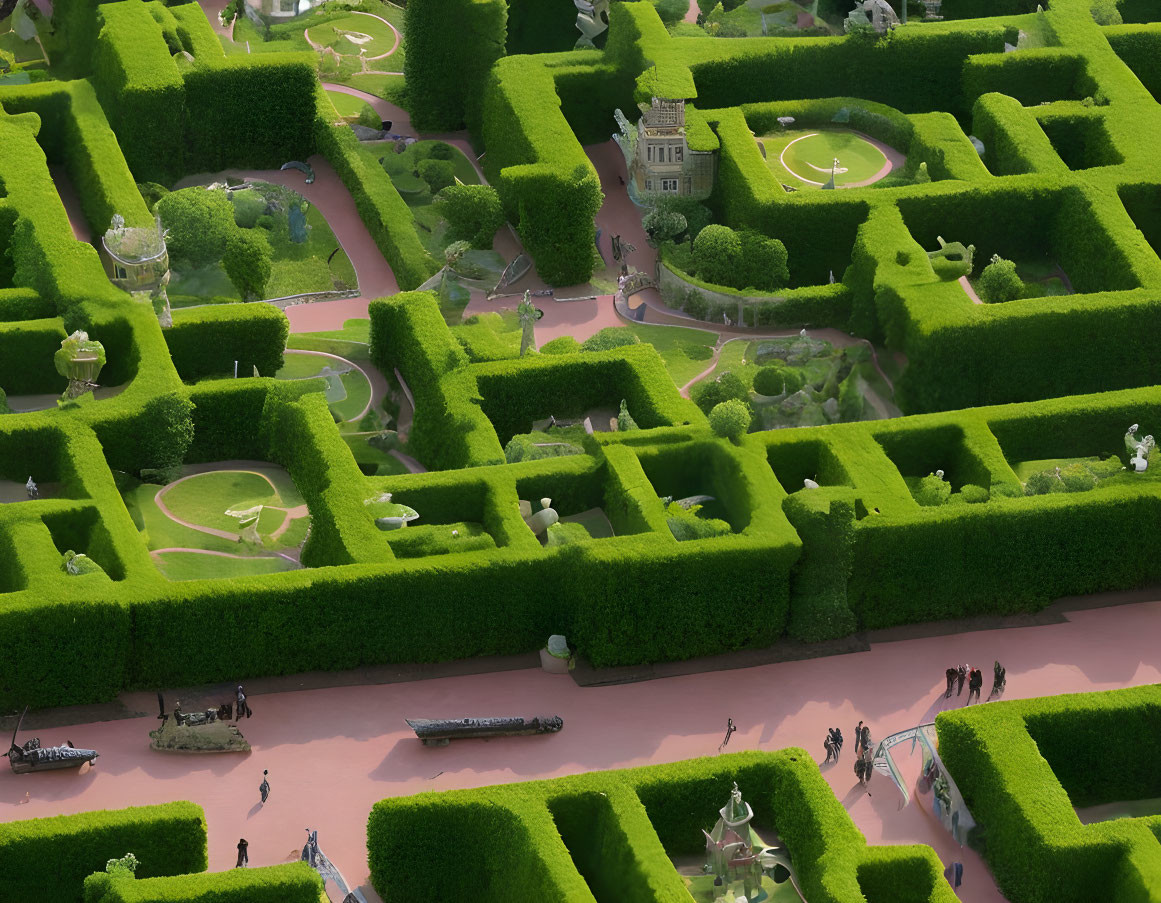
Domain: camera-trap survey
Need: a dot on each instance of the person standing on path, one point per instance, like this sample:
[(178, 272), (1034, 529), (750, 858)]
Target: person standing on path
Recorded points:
[(960, 676), (243, 854), (243, 707), (951, 675), (264, 787), (975, 682), (999, 679), (858, 738)]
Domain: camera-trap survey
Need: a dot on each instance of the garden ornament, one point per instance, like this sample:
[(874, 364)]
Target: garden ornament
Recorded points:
[(1138, 449)]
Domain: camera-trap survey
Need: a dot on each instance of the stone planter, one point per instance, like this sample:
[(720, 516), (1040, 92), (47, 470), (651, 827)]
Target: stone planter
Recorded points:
[(552, 664)]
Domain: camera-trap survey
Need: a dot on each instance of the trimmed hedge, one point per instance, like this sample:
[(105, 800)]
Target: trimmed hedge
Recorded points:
[(294, 883), (51, 857), (205, 341), (610, 834), (1023, 765)]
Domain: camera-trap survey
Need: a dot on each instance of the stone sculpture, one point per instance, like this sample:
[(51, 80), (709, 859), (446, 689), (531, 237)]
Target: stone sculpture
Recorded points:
[(875, 14), (441, 731), (34, 757), (527, 315), (394, 516), (1138, 449), (197, 732), (31, 488), (80, 360), (541, 520), (317, 860)]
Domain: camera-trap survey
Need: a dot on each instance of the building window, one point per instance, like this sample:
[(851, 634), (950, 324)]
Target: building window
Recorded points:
[(648, 184), (677, 151), (120, 272), (649, 152), (286, 6), (669, 185)]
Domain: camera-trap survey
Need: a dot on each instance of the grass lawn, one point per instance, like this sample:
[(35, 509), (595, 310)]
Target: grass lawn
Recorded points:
[(358, 394), (803, 158), (686, 352), (205, 498), (402, 170), (196, 566), (163, 533), (391, 88), (357, 35), (347, 395), (349, 107), (371, 460)]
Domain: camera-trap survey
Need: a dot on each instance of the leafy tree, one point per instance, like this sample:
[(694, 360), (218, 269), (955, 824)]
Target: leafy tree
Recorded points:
[(200, 222), (473, 213), (730, 419), (999, 282), (663, 224), (1105, 12), (247, 263), (609, 338), (438, 174), (671, 11), (717, 253)]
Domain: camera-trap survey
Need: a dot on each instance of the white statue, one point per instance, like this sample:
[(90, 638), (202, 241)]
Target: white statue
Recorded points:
[(808, 483), (1138, 449), (32, 490)]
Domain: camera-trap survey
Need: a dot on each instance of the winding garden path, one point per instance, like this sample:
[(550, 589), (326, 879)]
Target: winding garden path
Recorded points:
[(371, 374)]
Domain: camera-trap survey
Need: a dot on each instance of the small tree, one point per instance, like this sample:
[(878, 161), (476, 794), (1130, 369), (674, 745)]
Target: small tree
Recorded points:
[(247, 263), (710, 393), (125, 867), (663, 224), (730, 419), (999, 282), (697, 215), (625, 420), (473, 213), (200, 222), (438, 174), (763, 263), (717, 253)]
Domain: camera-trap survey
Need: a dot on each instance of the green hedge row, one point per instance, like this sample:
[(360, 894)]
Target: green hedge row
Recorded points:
[(295, 883), (611, 834), (1023, 765), (51, 857), (205, 341), (385, 214)]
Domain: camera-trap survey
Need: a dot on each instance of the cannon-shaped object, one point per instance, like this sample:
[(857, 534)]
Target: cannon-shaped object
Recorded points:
[(441, 731), (34, 757)]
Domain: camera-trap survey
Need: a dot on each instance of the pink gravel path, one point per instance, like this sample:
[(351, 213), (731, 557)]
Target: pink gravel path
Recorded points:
[(72, 203), (333, 752), (692, 13)]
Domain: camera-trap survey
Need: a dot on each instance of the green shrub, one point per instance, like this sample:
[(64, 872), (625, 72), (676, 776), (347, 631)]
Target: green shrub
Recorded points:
[(294, 883), (685, 524), (730, 419), (609, 338), (247, 261), (663, 224), (473, 213), (438, 174), (999, 282), (248, 206), (564, 344), (778, 378), (199, 222), (709, 393), (717, 253), (763, 263), (933, 490)]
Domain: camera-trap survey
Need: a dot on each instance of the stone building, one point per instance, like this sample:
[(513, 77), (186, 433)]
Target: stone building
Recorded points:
[(659, 155)]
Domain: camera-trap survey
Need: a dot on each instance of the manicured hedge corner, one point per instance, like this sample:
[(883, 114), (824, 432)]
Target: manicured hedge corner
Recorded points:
[(49, 858), (295, 883), (208, 341), (612, 833), (1023, 765)]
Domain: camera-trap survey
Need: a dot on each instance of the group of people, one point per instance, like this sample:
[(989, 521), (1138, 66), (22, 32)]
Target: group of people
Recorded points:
[(864, 749), (975, 681)]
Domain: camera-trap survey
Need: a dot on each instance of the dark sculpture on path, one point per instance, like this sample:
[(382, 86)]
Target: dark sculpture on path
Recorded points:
[(730, 728), (441, 731), (243, 854), (34, 757), (193, 719), (198, 732), (317, 860), (264, 787), (242, 707)]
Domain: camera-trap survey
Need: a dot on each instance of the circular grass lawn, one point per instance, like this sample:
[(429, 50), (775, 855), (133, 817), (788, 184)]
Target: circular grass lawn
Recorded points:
[(354, 34), (808, 157)]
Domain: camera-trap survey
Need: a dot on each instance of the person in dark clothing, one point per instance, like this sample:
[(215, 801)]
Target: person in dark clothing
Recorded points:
[(951, 675), (865, 742), (828, 745), (999, 679), (833, 744), (858, 738), (975, 682), (243, 707), (243, 854), (960, 676), (264, 787)]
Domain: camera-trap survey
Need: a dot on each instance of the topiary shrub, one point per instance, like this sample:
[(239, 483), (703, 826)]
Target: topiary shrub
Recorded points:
[(999, 282), (685, 524), (973, 494), (763, 263), (932, 491), (625, 420), (438, 174), (564, 344), (663, 224), (778, 378), (248, 207), (441, 150), (730, 419), (473, 213), (717, 253), (200, 222), (247, 263), (609, 338)]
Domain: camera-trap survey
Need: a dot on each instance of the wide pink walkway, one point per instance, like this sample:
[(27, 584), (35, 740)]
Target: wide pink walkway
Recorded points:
[(333, 752)]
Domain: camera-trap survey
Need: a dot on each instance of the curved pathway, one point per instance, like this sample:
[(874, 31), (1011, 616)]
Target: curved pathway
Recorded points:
[(297, 511), (359, 733), (374, 379)]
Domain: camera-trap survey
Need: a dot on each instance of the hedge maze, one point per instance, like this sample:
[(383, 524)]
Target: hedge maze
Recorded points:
[(1068, 127), (613, 835), (1023, 766)]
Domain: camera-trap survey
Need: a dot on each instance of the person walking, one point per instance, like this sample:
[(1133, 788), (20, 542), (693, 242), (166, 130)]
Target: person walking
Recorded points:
[(858, 738), (243, 707), (951, 674), (999, 679), (264, 787), (836, 739), (960, 676), (975, 682), (828, 745), (243, 854)]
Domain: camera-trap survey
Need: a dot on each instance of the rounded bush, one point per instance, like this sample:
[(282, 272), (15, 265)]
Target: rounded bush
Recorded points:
[(730, 419), (564, 344), (438, 174), (473, 213), (247, 263), (609, 338), (712, 392), (199, 222), (717, 253), (999, 282)]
